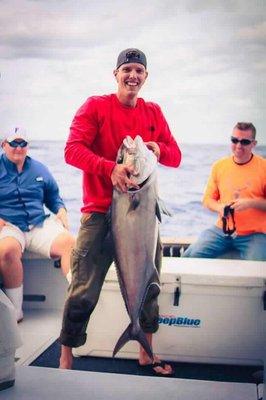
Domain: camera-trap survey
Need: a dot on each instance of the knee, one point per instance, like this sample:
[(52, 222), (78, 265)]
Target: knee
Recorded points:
[(251, 247), (9, 255), (255, 254), (79, 310), (197, 251), (149, 319), (153, 293), (68, 243), (63, 245)]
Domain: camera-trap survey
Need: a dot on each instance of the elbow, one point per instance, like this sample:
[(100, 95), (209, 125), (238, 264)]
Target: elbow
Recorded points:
[(178, 159), (67, 155), (205, 203), (178, 162)]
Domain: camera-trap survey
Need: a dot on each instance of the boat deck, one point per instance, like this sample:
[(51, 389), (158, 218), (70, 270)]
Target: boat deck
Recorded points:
[(34, 383), (40, 328)]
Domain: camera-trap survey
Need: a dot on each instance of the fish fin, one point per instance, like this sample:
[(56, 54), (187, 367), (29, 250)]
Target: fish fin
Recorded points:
[(164, 210), (134, 203), (153, 290), (124, 338), (158, 212), (138, 335)]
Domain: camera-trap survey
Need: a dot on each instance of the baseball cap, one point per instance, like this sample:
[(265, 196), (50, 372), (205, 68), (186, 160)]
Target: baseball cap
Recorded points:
[(16, 133), (131, 55)]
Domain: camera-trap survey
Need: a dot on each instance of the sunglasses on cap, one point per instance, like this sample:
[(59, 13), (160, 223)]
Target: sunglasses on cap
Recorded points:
[(17, 143), (243, 142), (228, 219)]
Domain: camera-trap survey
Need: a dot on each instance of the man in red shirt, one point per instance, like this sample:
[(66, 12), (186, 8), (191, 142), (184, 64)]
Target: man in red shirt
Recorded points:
[(96, 133)]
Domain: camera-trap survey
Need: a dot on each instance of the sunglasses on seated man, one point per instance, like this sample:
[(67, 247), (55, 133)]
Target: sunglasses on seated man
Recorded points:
[(243, 142), (18, 143)]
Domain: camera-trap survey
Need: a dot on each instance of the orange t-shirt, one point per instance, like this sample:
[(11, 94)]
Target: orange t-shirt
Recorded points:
[(230, 181)]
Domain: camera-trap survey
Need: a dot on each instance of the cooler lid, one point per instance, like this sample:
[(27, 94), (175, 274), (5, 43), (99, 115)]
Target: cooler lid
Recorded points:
[(221, 272), (206, 271)]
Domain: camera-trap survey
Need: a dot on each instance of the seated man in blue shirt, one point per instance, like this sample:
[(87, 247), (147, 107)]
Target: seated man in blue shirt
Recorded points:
[(26, 185)]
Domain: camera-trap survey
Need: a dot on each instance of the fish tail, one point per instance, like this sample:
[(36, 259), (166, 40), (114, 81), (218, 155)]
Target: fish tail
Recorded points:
[(124, 338), (133, 334)]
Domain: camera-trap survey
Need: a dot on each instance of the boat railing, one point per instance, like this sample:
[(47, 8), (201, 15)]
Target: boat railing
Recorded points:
[(175, 247)]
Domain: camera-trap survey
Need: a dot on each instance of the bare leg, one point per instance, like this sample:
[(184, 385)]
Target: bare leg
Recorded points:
[(62, 247), (144, 359), (11, 270), (10, 262), (66, 358)]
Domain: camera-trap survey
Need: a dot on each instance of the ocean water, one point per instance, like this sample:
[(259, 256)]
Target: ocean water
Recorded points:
[(181, 189)]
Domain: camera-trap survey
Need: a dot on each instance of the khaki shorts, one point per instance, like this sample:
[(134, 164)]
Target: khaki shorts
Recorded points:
[(39, 239)]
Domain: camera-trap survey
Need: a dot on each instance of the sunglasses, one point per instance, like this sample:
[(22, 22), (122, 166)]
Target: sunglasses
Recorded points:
[(243, 142), (228, 219), (16, 143)]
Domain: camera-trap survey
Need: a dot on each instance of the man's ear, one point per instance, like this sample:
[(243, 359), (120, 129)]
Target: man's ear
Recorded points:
[(115, 71)]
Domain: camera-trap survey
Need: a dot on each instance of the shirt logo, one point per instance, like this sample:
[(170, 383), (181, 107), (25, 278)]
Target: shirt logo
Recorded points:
[(39, 179)]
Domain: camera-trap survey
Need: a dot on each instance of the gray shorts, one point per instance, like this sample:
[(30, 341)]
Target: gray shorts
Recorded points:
[(39, 239)]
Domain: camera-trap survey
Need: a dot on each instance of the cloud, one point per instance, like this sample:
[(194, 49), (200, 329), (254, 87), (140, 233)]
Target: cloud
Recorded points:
[(206, 60), (57, 29), (254, 33)]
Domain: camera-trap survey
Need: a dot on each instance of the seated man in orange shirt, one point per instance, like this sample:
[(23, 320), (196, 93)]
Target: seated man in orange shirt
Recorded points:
[(236, 190)]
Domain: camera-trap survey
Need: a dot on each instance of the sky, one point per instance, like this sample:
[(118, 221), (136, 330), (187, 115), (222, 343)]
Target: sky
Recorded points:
[(206, 62)]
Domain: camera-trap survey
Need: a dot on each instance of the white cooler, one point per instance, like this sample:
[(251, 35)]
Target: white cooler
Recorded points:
[(211, 310)]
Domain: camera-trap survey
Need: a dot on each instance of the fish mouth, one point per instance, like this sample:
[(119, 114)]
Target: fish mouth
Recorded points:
[(142, 162), (140, 186)]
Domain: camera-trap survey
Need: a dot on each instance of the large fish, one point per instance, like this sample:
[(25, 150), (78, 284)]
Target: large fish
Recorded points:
[(135, 217)]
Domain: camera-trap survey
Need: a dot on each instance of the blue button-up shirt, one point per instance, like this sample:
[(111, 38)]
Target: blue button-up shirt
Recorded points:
[(24, 194)]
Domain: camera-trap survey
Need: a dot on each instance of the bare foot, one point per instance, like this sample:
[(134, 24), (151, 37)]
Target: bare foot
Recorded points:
[(144, 359), (66, 359), (163, 369)]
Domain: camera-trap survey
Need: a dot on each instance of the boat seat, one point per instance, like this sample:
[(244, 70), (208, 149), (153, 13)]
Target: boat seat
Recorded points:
[(29, 255), (44, 285)]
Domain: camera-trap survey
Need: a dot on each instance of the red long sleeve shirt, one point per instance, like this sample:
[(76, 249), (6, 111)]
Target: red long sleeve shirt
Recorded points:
[(96, 133)]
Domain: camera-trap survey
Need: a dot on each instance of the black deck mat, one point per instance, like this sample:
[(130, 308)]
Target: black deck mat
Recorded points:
[(212, 372)]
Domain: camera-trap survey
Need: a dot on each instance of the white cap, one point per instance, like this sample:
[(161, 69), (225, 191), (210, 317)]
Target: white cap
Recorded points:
[(16, 133)]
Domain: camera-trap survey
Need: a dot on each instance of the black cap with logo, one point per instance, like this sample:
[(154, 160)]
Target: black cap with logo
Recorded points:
[(131, 56)]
